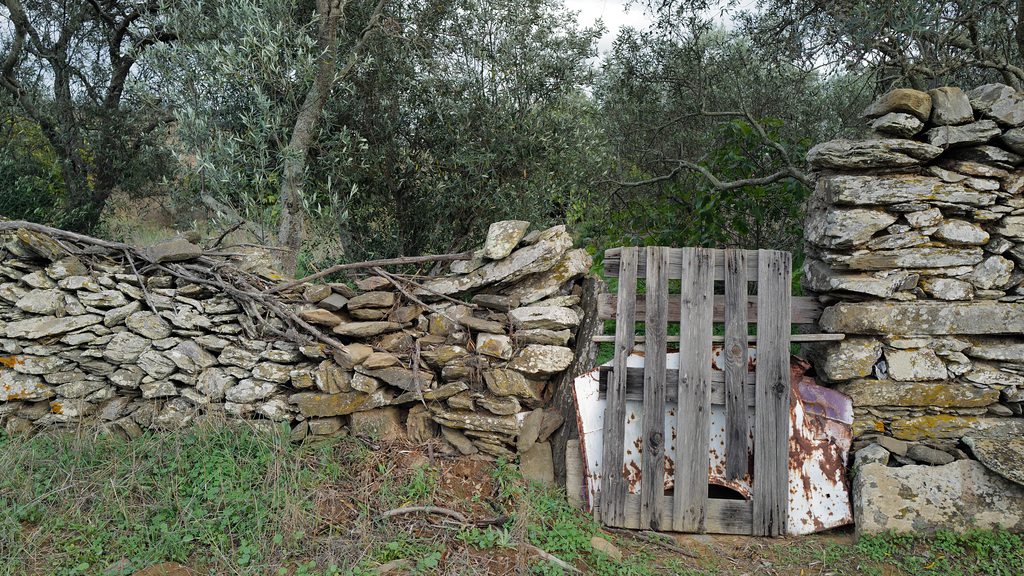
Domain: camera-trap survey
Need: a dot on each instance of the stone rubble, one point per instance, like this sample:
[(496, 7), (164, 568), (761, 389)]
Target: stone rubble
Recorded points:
[(85, 347)]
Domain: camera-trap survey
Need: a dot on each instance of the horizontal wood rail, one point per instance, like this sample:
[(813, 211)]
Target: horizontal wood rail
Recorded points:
[(722, 516), (796, 338), (805, 310)]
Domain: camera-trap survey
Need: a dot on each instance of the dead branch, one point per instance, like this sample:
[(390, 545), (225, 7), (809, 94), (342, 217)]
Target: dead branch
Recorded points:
[(551, 558), (652, 538), (427, 510), (396, 284), (371, 264), (142, 283), (226, 231)]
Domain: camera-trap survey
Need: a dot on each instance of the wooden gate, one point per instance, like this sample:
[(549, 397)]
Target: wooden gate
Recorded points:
[(694, 387)]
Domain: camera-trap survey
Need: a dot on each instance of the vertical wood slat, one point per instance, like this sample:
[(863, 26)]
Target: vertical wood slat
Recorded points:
[(736, 356), (693, 414), (771, 422), (613, 483), (652, 460)]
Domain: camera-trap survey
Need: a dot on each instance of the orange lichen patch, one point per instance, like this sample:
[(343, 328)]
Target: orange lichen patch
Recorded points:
[(10, 361), (56, 408)]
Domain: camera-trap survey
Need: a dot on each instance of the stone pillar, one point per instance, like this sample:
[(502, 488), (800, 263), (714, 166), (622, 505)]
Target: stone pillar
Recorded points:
[(914, 241)]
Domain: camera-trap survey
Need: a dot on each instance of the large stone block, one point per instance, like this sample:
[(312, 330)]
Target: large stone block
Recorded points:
[(17, 386), (845, 228), (960, 496), (950, 105), (503, 237), (845, 360), (999, 102), (915, 365), (906, 100), (383, 423)]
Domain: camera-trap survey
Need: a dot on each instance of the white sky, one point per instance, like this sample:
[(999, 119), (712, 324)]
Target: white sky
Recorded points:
[(614, 15)]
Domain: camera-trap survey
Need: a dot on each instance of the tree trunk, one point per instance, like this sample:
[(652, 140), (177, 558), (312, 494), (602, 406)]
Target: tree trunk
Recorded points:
[(1019, 30), (293, 217)]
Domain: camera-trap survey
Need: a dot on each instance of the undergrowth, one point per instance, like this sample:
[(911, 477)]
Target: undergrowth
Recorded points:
[(235, 499)]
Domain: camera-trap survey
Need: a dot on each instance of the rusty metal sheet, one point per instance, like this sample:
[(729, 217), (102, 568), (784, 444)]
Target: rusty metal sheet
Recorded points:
[(820, 438)]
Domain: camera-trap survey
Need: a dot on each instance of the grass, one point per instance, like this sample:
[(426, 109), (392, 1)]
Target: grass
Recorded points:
[(236, 499)]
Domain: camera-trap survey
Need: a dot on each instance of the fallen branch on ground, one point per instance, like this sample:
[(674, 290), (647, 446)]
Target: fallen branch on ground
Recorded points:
[(426, 509), (551, 558)]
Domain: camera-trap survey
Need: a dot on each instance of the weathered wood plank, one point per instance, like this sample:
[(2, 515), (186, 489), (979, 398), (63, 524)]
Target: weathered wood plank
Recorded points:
[(793, 338), (771, 424), (723, 516), (652, 459), (693, 392), (635, 385), (736, 356), (612, 264), (805, 309), (613, 482)]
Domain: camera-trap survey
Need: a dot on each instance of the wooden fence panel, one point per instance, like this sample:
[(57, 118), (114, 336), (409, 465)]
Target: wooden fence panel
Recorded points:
[(695, 387)]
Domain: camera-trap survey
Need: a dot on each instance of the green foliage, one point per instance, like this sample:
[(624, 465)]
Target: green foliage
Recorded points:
[(70, 72), (989, 552), (463, 112), (689, 95), (486, 538)]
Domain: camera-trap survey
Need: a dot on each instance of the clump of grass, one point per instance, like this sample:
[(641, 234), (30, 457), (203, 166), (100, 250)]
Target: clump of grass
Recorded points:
[(218, 496)]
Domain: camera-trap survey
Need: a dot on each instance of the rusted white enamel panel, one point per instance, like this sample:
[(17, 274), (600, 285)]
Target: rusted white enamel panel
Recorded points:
[(820, 437)]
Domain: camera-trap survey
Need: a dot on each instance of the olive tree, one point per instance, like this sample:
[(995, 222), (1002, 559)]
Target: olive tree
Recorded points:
[(72, 67)]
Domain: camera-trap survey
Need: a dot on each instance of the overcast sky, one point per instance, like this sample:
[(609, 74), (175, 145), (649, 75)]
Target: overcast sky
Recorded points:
[(612, 12)]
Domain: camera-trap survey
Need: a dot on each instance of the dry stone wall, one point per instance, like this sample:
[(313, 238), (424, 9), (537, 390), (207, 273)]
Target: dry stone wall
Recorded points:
[(87, 341), (915, 243)]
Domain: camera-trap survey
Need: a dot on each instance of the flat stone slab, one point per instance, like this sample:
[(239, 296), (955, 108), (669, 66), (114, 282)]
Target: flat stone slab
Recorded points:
[(886, 190), (861, 154), (819, 277), (1004, 456), (918, 257), (961, 496), (321, 405), (917, 394), (955, 427), (366, 329), (36, 328), (925, 318)]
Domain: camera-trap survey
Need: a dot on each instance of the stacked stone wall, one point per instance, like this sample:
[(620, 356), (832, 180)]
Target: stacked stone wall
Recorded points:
[(915, 243), (469, 357)]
